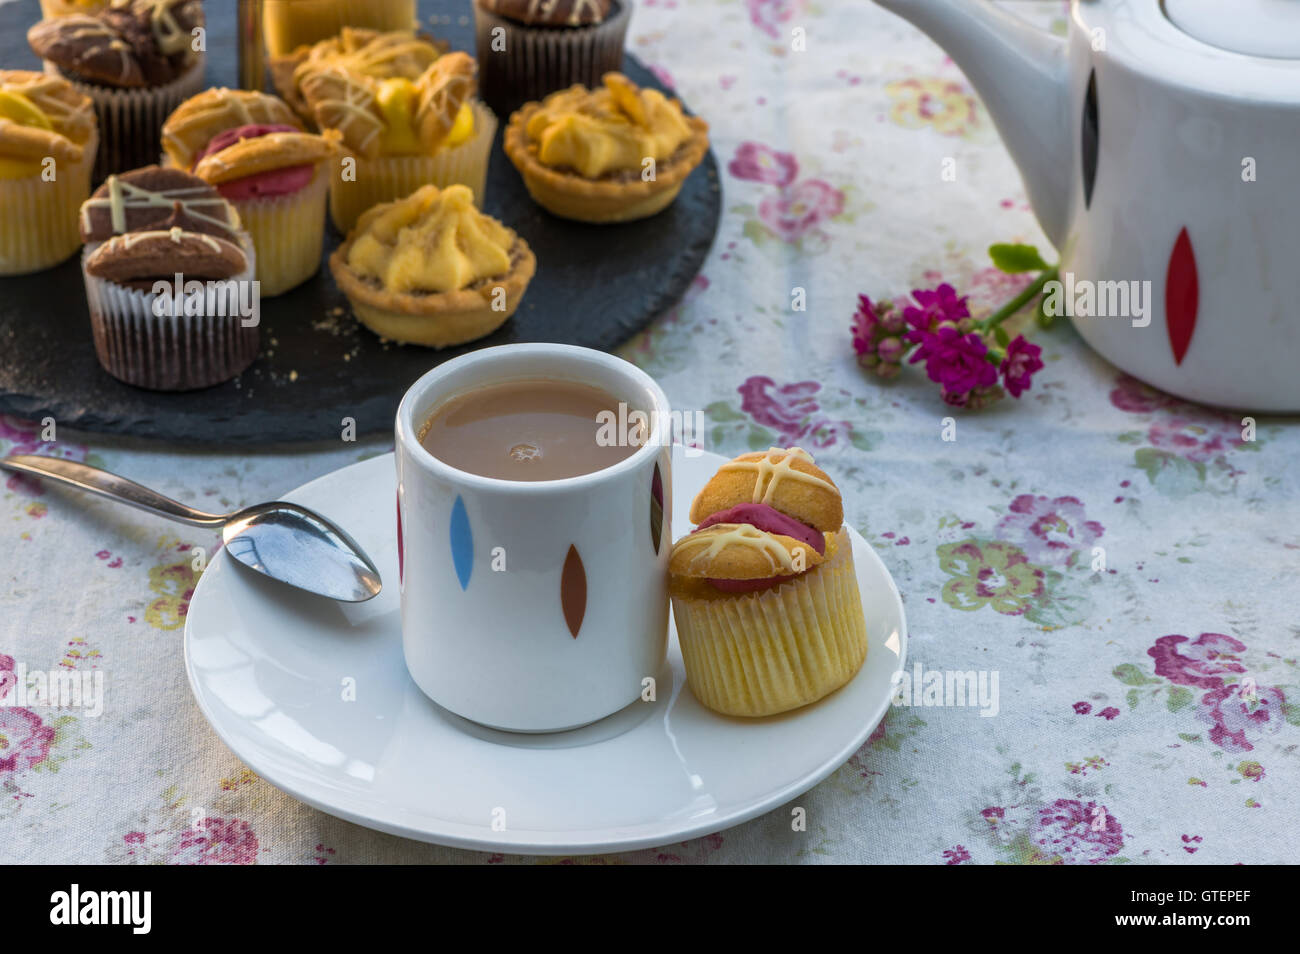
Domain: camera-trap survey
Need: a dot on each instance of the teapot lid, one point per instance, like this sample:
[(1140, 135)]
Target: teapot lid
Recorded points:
[(1252, 27)]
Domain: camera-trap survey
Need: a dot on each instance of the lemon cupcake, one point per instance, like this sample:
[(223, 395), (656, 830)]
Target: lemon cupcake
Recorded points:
[(764, 591), (405, 112), (251, 146), (48, 139)]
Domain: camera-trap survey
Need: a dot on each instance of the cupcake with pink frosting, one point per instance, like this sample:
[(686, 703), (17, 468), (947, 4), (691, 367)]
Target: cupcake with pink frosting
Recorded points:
[(764, 591), (252, 148)]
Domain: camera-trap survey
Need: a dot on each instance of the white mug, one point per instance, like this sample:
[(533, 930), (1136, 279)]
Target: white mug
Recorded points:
[(534, 606)]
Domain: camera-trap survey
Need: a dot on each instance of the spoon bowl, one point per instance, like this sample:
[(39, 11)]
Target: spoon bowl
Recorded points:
[(285, 541)]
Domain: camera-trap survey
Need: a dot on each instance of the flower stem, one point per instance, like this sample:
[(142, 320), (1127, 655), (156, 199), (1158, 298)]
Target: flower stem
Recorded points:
[(1025, 297)]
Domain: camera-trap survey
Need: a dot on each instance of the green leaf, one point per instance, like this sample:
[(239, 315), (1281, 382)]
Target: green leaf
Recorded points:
[(1189, 737), (756, 232), (864, 440), (1131, 675), (1132, 697), (1179, 696), (722, 411), (760, 438), (1015, 259), (1001, 337)]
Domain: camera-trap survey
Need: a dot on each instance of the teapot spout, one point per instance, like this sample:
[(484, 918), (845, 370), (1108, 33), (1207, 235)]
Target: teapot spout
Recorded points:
[(1021, 73)]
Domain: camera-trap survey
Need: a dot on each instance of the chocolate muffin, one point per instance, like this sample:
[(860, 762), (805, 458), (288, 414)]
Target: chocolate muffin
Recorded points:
[(136, 60), (529, 48), (163, 225)]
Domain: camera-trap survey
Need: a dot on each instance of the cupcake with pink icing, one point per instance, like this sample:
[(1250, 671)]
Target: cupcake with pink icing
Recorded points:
[(764, 591), (252, 148)]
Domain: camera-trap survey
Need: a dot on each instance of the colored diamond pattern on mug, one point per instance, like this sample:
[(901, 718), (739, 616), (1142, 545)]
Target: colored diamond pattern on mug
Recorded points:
[(656, 508), (1182, 296), (462, 543), (573, 591), (401, 550), (1091, 140)]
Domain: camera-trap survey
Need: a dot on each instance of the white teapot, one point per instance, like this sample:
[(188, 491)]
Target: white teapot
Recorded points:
[(1159, 142)]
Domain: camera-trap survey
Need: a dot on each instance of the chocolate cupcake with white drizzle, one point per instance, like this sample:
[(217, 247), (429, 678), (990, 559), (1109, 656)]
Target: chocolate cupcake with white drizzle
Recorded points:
[(169, 281), (137, 60)]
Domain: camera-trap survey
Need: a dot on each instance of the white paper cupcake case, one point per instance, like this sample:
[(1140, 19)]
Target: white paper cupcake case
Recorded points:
[(166, 352), (131, 120)]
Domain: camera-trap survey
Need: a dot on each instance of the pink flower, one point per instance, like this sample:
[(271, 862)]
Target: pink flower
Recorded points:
[(956, 855), (1020, 365), (1078, 833), (796, 210), (1196, 441), (1201, 663), (769, 15), (786, 409), (939, 305), (1050, 531), (955, 360), (876, 336), (24, 740), (755, 162), (222, 841), (1130, 394), (1231, 712)]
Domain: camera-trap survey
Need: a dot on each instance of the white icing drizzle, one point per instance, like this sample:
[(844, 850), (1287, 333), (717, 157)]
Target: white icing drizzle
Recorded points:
[(174, 234), (123, 196), (768, 473), (713, 540)]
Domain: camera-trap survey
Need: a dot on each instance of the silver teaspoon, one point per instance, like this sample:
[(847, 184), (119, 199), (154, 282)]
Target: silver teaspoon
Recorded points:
[(287, 542)]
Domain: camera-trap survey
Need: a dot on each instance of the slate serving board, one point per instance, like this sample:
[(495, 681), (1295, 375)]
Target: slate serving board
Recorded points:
[(595, 286)]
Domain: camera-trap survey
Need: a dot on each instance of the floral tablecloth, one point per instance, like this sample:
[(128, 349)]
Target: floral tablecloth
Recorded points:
[(1126, 563)]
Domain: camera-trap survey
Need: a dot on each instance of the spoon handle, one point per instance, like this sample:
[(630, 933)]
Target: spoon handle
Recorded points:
[(101, 482)]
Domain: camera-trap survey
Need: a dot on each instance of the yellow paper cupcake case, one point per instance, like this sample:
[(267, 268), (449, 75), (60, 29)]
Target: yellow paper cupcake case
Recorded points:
[(757, 654), (38, 218), (395, 177), (287, 232)]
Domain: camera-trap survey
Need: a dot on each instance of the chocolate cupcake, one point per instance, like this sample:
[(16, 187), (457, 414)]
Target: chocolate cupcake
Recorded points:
[(136, 61), (169, 281), (529, 48)]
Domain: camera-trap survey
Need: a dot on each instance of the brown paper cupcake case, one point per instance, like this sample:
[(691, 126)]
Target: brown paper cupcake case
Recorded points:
[(131, 120), (166, 352), (539, 60)]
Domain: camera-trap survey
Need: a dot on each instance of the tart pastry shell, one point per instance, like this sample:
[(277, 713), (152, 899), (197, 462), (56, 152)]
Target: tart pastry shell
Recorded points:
[(435, 320), (613, 199)]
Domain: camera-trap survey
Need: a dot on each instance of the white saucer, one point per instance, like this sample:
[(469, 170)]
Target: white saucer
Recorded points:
[(270, 667)]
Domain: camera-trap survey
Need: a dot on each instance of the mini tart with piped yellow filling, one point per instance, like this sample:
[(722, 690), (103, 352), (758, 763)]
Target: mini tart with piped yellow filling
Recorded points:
[(431, 269), (764, 591), (613, 154)]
